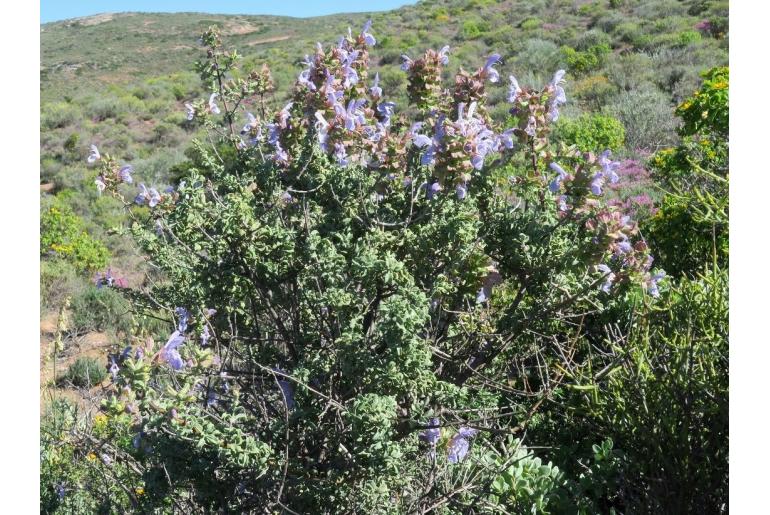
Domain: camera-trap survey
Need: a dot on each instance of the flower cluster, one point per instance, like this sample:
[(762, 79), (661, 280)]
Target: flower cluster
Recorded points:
[(110, 173), (424, 78)]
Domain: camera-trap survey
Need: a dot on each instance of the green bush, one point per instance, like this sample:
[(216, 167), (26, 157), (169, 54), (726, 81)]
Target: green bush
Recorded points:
[(692, 228), (591, 132), (62, 233), (86, 372), (58, 279), (531, 24), (101, 309), (473, 28), (688, 37), (646, 115)]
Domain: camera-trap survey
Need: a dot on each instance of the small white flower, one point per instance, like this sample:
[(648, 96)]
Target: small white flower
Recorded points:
[(213, 107), (94, 155)]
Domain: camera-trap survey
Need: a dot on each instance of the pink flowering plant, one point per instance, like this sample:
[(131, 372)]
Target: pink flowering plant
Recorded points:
[(365, 309)]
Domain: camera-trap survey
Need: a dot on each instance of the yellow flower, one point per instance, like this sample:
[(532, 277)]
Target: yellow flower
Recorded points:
[(720, 85), (139, 490), (91, 456)]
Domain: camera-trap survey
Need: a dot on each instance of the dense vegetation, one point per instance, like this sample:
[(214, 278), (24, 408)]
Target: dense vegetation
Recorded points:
[(431, 288)]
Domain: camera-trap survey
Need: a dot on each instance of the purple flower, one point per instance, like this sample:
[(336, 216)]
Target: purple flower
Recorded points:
[(184, 317), (386, 109), (505, 139), (609, 168), (559, 97), (556, 183), (304, 76), (136, 441), (349, 74), (340, 154), (213, 107), (211, 398), (432, 434), (151, 196), (376, 90), (284, 115), (513, 89), (125, 354), (596, 183), (286, 197), (139, 354), (489, 71), (190, 111), (125, 174), (407, 64), (652, 284), (170, 353), (609, 277), (432, 190), (368, 38), (60, 491), (205, 335), (461, 190), (562, 203), (114, 369), (459, 445), (93, 155), (250, 124)]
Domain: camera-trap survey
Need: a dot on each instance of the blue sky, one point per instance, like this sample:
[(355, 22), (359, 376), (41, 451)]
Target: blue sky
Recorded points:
[(54, 10)]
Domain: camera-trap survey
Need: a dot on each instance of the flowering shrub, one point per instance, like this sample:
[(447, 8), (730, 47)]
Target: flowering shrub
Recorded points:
[(362, 307)]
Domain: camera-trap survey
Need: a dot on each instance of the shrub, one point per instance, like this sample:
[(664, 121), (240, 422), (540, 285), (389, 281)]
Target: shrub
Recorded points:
[(58, 115), (688, 37), (62, 233), (361, 309), (58, 279), (86, 372), (531, 24), (473, 28), (590, 132), (594, 91), (646, 116), (101, 309)]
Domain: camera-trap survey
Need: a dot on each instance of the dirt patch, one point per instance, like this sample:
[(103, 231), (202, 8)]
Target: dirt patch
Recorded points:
[(96, 19), (267, 40)]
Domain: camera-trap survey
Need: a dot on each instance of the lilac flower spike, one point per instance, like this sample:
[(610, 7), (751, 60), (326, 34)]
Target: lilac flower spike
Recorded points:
[(213, 107), (190, 111), (443, 55), (125, 174), (489, 71), (556, 183), (205, 335), (368, 38), (93, 155), (513, 89), (459, 445)]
